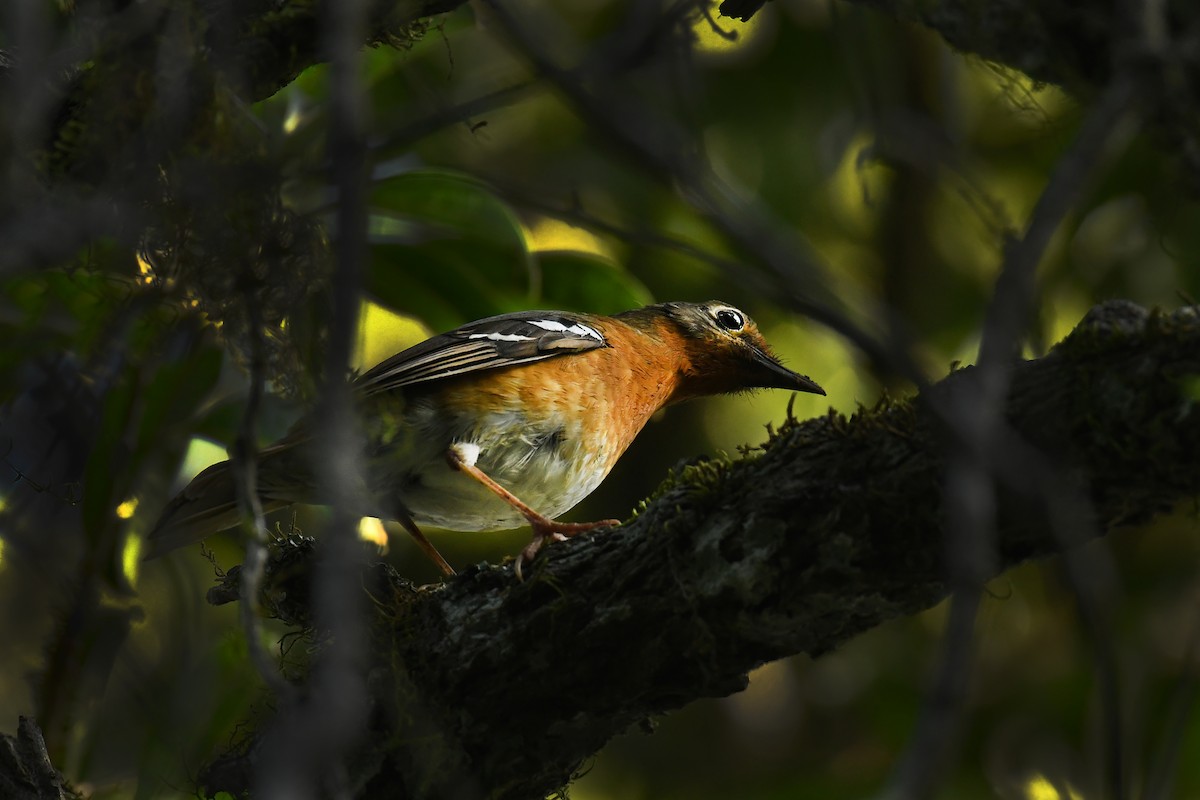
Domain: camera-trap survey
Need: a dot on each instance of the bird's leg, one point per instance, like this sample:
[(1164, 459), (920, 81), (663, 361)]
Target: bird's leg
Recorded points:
[(544, 528), (406, 521)]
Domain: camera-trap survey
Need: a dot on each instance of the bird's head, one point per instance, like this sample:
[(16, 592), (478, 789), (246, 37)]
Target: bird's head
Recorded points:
[(724, 352)]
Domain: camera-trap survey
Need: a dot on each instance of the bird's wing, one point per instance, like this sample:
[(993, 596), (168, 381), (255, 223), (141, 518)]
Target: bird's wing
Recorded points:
[(491, 343)]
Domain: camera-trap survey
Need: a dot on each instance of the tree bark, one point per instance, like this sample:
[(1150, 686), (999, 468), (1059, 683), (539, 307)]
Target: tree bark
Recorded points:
[(486, 687), (25, 769)]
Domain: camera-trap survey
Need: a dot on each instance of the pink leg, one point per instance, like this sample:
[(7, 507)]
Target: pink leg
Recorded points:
[(427, 546), (544, 528)]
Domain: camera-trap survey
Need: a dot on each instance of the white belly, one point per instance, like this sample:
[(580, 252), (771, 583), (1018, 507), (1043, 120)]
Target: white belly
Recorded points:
[(549, 470)]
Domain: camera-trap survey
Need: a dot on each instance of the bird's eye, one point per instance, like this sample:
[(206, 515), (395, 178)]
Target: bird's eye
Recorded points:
[(730, 320)]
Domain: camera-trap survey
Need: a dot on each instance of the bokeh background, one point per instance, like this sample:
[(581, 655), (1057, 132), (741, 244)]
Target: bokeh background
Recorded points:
[(901, 164)]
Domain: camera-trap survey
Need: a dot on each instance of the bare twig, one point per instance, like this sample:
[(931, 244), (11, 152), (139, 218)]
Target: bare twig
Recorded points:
[(245, 468), (401, 140), (977, 422)]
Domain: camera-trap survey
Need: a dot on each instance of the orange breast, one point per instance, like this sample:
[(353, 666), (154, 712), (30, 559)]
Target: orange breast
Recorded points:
[(607, 394)]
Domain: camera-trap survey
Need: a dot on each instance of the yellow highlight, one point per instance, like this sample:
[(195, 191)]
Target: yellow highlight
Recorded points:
[(554, 234), (201, 454), (737, 34), (1026, 103), (1066, 309), (294, 115), (126, 509), (1040, 788), (370, 529), (131, 557), (291, 121), (146, 270), (383, 333), (859, 185)]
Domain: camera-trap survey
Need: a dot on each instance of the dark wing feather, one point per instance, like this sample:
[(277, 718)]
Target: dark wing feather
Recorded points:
[(492, 343)]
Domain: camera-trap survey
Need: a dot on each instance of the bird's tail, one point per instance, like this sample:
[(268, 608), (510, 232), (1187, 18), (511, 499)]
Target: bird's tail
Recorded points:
[(207, 505)]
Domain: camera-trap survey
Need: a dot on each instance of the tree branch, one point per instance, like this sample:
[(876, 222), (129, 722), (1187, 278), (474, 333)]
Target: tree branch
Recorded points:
[(1073, 44), (492, 688), (25, 769)]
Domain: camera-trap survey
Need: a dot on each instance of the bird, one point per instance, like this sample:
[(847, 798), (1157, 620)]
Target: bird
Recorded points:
[(504, 421)]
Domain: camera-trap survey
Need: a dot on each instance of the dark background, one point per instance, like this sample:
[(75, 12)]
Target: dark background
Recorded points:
[(160, 232)]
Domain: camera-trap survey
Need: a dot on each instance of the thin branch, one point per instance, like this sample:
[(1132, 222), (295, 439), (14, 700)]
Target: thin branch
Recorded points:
[(243, 461), (402, 140), (978, 424), (1106, 131)]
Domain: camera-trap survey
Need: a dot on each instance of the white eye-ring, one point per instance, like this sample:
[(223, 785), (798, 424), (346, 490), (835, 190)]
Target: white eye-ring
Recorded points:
[(729, 319)]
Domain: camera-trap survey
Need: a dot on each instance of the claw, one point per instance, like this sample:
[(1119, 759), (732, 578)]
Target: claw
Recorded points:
[(547, 530)]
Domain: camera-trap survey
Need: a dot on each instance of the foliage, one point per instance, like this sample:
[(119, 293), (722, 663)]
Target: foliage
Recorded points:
[(169, 228)]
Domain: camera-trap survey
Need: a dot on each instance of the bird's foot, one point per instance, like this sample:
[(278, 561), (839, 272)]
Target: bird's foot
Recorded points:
[(547, 530)]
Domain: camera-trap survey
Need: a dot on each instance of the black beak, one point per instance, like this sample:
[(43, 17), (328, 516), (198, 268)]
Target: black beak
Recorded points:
[(777, 376)]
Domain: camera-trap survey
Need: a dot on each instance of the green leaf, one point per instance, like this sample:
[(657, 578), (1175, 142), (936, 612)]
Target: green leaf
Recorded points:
[(446, 249), (443, 284), (454, 206), (578, 281)]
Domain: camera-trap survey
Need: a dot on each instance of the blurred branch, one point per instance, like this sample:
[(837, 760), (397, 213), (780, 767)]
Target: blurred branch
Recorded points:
[(81, 130), (1071, 44), (978, 420), (790, 269), (835, 528), (305, 758), (244, 464), (1062, 41), (275, 42), (663, 149)]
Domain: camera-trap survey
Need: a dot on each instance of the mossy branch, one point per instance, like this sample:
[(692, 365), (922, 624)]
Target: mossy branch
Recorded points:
[(485, 687)]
